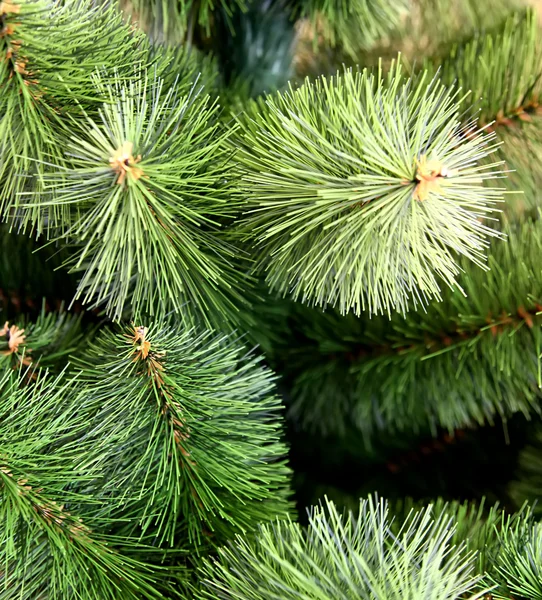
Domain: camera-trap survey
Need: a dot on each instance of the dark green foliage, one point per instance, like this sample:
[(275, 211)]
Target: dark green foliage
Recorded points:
[(182, 67), (187, 436), (339, 208), (473, 463), (46, 550), (127, 493), (482, 347)]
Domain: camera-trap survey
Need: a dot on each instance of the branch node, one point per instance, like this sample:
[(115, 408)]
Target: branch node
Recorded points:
[(123, 163), (429, 177)]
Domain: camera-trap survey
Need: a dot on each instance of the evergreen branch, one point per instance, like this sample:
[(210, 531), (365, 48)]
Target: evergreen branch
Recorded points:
[(441, 550), (424, 450), (522, 150), (439, 23), (361, 190), (507, 546), (147, 185), (503, 70), (452, 337), (461, 362), (343, 557), (46, 342), (173, 21), (193, 451), (517, 563), (428, 28), (43, 74), (476, 527), (353, 24), (47, 550)]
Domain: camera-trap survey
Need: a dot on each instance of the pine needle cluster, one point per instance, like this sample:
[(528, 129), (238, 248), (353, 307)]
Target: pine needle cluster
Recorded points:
[(359, 227), (156, 446), (353, 201), (437, 552), (382, 374)]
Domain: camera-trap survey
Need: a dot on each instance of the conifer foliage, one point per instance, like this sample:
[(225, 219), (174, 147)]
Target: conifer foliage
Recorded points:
[(247, 243), (194, 451), (354, 201)]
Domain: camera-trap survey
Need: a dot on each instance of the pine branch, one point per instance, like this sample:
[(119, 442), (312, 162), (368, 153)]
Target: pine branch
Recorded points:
[(47, 342), (186, 435), (462, 362), (517, 563), (441, 550), (428, 28), (441, 22), (47, 550), (43, 74), (507, 545), (147, 185), (503, 70), (362, 190), (352, 24), (343, 557)]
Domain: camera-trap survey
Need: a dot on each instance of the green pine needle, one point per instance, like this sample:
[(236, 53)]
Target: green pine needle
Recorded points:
[(187, 435), (517, 562), (483, 348), (47, 550), (344, 558), (503, 70), (147, 185), (331, 186)]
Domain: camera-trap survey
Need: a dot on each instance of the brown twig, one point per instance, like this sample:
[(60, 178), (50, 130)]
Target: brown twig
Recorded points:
[(448, 339)]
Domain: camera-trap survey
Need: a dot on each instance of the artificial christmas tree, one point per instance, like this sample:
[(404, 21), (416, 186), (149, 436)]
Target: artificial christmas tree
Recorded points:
[(263, 263)]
